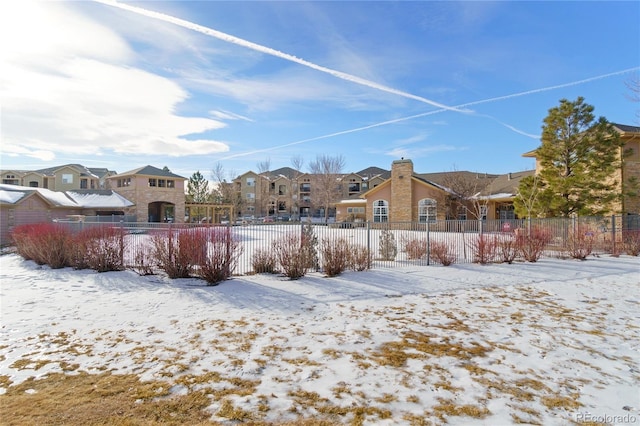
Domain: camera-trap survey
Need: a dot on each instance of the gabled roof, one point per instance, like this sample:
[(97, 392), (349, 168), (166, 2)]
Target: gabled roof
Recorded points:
[(287, 172), (151, 171), (624, 128), (506, 184), (101, 172), (105, 198), (370, 172), (50, 171), (14, 194)]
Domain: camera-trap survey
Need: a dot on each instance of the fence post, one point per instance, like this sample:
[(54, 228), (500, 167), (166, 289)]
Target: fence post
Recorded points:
[(480, 227), (428, 244), (613, 234), (369, 240)]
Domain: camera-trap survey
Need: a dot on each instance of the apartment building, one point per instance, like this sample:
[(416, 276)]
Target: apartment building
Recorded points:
[(289, 193)]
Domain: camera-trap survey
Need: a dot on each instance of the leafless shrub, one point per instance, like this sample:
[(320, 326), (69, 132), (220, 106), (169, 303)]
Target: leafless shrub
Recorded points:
[(531, 243), (631, 241), (484, 249), (415, 248), (441, 252), (178, 251), (336, 256), (291, 259), (507, 248), (44, 243), (222, 251), (579, 244), (99, 248), (360, 258), (264, 261)]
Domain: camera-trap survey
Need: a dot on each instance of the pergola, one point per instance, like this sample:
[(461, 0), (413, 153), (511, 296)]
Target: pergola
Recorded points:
[(207, 212)]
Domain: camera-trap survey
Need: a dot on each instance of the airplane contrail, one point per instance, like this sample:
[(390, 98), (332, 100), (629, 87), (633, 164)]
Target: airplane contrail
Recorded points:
[(424, 114), (269, 51)]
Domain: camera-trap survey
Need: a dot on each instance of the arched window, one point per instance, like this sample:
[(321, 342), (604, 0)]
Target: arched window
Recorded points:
[(380, 211), (427, 210)]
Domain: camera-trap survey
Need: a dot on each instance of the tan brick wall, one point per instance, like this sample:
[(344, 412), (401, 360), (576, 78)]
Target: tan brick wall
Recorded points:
[(142, 195), (632, 170), (400, 208)]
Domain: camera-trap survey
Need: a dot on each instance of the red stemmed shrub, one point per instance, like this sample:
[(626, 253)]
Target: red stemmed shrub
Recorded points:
[(292, 258), (178, 251), (484, 249), (336, 256), (100, 248), (579, 244), (532, 243), (221, 254), (415, 248), (44, 243), (631, 241), (441, 252)]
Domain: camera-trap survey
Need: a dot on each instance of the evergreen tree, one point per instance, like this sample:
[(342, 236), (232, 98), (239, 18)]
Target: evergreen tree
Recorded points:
[(578, 158), (198, 192), (198, 188)]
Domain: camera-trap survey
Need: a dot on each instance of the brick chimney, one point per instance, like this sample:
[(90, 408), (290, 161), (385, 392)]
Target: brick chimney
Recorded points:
[(401, 208)]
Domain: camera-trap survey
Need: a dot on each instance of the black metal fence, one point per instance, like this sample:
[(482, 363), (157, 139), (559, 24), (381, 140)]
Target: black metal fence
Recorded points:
[(395, 244)]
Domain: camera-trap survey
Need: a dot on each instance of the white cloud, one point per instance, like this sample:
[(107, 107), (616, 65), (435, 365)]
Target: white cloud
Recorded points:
[(66, 87)]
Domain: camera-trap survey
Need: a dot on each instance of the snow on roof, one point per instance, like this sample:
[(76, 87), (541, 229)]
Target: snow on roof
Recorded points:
[(11, 194), (353, 201), (55, 198), (93, 200), (11, 197)]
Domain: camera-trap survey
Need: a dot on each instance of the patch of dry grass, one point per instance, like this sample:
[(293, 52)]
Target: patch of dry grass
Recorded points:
[(104, 399)]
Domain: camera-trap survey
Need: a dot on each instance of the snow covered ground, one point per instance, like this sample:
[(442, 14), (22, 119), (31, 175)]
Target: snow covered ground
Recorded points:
[(553, 342)]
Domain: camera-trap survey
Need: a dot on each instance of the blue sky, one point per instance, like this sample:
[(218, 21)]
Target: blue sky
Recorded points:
[(188, 85)]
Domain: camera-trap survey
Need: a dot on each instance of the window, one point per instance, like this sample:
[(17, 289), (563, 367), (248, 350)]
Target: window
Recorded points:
[(251, 197), (67, 178), (282, 189), (427, 210), (153, 182), (162, 183), (33, 184), (355, 210), (483, 212), (354, 187), (84, 183), (124, 182), (305, 187), (380, 211), (251, 181), (171, 184), (462, 213), (282, 206)]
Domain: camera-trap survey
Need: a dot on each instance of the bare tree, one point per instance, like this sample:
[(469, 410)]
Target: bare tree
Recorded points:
[(296, 163), (466, 190), (264, 185), (633, 84), (327, 171), (224, 190)]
